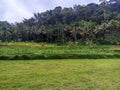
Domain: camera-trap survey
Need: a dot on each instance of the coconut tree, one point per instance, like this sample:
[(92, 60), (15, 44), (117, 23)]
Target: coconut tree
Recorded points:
[(104, 2)]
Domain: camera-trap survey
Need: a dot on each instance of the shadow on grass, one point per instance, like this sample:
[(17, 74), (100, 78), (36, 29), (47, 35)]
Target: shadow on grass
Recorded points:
[(58, 56)]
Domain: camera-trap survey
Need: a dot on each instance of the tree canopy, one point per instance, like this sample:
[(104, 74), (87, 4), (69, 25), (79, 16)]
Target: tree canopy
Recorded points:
[(96, 23)]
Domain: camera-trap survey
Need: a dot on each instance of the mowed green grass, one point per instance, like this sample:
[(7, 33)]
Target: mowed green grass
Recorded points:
[(74, 74)]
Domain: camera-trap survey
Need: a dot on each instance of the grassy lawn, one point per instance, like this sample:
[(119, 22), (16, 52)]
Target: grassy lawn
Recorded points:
[(74, 74)]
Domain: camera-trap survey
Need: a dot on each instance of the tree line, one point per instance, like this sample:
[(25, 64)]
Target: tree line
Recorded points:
[(92, 23)]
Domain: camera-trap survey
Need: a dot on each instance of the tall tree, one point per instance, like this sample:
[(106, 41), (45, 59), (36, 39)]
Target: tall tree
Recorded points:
[(104, 2)]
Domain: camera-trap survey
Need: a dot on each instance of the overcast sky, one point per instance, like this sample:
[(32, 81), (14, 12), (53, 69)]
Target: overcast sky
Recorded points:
[(16, 10)]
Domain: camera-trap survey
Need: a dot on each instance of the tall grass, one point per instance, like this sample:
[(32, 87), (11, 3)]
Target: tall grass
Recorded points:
[(29, 50)]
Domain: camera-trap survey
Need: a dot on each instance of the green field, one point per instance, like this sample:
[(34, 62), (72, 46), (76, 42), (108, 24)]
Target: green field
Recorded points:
[(102, 74), (42, 66), (16, 51)]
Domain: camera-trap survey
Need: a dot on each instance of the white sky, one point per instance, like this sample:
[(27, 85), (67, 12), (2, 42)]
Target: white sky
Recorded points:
[(16, 10)]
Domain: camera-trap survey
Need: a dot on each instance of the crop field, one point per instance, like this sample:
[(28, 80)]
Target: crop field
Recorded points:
[(42, 66), (29, 51), (70, 74)]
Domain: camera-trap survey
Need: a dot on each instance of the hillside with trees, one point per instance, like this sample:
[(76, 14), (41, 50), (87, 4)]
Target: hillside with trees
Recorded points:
[(92, 23)]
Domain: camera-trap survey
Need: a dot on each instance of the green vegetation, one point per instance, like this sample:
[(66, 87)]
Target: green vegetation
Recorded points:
[(65, 36), (92, 23), (103, 74), (20, 51)]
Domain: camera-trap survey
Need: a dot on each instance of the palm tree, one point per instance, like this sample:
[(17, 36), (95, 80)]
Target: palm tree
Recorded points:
[(104, 2)]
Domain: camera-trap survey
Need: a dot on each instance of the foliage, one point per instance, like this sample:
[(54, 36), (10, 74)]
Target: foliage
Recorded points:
[(82, 24)]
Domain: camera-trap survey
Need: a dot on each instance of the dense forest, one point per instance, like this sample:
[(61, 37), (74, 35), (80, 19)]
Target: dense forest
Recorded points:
[(92, 23)]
